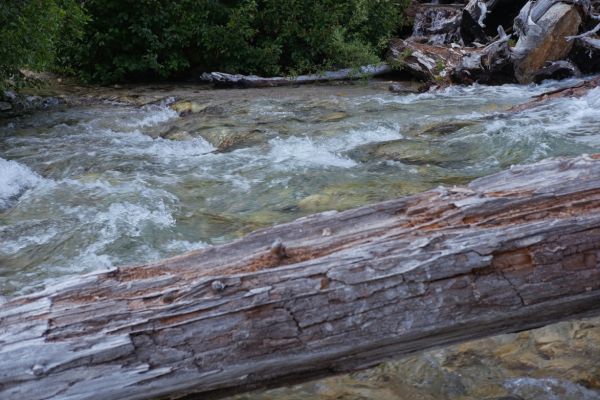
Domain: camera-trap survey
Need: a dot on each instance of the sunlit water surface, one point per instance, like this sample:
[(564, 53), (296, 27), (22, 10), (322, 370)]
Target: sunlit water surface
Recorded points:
[(90, 187)]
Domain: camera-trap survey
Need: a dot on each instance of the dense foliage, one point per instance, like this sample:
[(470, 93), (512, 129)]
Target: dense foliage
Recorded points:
[(33, 31), (141, 39), (149, 39)]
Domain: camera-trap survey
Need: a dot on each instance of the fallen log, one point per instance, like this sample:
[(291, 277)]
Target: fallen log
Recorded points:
[(325, 294), (221, 79), (578, 90)]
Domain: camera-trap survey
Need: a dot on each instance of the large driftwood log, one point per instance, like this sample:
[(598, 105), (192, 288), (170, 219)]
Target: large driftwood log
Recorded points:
[(325, 294), (221, 79)]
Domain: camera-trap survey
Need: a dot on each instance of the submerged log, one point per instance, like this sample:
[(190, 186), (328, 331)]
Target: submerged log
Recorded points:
[(578, 90), (221, 79), (325, 294)]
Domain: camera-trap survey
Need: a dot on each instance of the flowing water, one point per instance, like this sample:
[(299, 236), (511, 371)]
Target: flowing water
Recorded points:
[(92, 186)]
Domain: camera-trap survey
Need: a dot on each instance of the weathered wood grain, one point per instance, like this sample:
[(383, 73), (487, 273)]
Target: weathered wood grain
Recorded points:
[(322, 295), (221, 79)]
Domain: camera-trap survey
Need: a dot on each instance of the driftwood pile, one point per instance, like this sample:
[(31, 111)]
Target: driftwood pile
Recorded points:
[(325, 294), (501, 41), (483, 41)]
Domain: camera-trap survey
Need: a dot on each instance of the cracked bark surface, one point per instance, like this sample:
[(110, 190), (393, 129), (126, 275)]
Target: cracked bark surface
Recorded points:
[(326, 294)]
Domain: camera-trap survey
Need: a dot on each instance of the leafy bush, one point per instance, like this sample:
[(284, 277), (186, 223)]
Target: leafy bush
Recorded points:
[(147, 39), (31, 32)]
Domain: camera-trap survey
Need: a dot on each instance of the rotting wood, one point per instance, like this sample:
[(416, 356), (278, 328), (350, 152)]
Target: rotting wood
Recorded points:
[(326, 294)]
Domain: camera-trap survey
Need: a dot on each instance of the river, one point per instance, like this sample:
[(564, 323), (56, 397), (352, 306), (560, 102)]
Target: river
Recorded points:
[(107, 183)]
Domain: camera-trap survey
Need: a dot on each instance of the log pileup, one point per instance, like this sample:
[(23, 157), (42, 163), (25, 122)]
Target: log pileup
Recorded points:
[(502, 41), (325, 294)]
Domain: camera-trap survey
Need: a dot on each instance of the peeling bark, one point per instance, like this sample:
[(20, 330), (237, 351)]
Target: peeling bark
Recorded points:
[(326, 294)]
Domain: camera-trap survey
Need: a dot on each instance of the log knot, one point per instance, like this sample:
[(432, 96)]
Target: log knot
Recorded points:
[(278, 249), (218, 286), (38, 370)]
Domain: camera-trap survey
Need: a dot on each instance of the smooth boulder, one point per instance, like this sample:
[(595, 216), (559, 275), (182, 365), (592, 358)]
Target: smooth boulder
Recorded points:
[(545, 40)]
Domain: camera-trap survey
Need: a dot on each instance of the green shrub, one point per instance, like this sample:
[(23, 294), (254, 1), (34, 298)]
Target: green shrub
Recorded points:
[(32, 31), (149, 39)]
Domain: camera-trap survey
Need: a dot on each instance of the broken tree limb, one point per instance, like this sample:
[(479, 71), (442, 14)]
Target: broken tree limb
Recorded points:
[(221, 79), (325, 294)]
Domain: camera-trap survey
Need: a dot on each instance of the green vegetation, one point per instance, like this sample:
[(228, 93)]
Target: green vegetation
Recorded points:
[(117, 40), (32, 33)]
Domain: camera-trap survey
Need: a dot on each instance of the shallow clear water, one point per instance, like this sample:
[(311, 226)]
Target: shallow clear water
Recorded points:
[(89, 187)]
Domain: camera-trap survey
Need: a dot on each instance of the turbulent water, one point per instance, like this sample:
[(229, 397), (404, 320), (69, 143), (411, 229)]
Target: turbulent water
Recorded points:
[(89, 187)]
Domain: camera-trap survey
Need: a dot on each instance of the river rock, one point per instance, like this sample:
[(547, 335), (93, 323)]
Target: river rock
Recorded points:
[(178, 136), (4, 106), (545, 40), (557, 70), (413, 152), (586, 55), (445, 128), (186, 107), (237, 140)]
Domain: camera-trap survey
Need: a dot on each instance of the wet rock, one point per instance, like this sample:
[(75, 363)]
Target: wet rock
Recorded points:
[(557, 70), (335, 116), (187, 107), (413, 152), (586, 56), (240, 140), (544, 40), (404, 88), (445, 128), (4, 106), (179, 136), (336, 197)]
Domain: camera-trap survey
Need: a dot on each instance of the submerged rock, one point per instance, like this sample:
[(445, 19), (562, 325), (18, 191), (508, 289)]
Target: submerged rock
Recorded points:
[(186, 107), (413, 152), (241, 140), (445, 128), (176, 135)]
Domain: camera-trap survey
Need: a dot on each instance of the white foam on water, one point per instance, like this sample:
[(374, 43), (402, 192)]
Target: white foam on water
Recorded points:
[(151, 116), (14, 246), (182, 246), (128, 219), (297, 152), (550, 389), (120, 221), (294, 152), (473, 92), (165, 150), (15, 179)]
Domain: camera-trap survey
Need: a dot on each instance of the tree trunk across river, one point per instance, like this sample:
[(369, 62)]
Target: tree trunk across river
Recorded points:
[(94, 185)]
